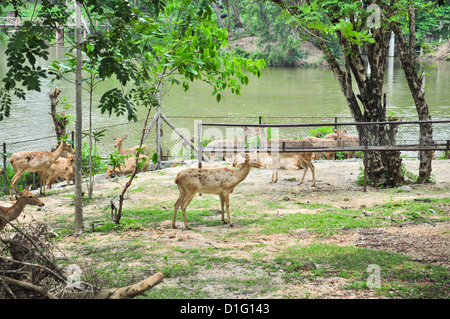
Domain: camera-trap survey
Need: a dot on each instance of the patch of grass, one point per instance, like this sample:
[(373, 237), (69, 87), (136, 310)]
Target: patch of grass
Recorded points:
[(325, 223), (399, 276)]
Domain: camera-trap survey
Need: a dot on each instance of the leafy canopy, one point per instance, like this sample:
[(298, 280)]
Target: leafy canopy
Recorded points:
[(174, 41)]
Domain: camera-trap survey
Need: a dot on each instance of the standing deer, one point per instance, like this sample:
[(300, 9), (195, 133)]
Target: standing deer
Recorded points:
[(127, 151), (219, 181), (24, 198), (62, 167), (215, 147), (36, 161), (303, 157)]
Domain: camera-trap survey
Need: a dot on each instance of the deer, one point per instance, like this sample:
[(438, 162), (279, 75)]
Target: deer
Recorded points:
[(2, 172), (219, 181), (346, 140), (62, 167), (227, 144), (304, 158), (36, 161), (329, 140), (24, 198), (128, 167), (127, 151)]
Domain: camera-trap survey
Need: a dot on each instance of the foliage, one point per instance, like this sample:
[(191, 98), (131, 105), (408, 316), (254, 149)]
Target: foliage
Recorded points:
[(98, 164), (145, 44), (280, 40)]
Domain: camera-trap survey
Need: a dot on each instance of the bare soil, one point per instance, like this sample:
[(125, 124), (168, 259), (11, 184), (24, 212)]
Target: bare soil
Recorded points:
[(336, 185)]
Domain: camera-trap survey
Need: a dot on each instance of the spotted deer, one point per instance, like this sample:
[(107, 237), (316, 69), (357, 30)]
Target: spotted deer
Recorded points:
[(220, 181), (62, 167), (276, 144), (127, 151), (36, 161), (24, 198)]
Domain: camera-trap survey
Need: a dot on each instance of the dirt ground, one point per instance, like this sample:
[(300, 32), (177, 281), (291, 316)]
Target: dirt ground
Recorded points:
[(428, 243)]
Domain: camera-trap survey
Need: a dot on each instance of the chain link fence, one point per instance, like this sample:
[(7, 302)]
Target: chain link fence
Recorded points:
[(178, 135)]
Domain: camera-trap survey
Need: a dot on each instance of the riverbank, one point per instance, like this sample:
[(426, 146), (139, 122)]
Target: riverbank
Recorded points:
[(315, 56)]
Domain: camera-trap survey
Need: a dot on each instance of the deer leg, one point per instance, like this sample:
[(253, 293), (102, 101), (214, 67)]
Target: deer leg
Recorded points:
[(175, 208), (184, 204), (226, 198), (42, 182), (221, 208), (311, 166), (50, 180), (14, 182), (275, 162)]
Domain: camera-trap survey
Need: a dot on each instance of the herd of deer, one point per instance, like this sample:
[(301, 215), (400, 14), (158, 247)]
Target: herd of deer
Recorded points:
[(220, 181)]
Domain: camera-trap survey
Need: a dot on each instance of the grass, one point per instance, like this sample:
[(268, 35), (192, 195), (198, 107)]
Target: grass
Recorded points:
[(399, 276), (247, 266)]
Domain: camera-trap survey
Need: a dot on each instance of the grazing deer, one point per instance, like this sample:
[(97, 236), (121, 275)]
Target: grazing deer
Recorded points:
[(62, 167), (128, 167), (219, 181), (303, 157), (227, 144), (24, 198), (36, 161), (127, 151)]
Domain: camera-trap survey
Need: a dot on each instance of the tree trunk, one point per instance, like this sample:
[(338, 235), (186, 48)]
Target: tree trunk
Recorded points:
[(416, 85), (384, 168), (78, 129), (60, 121)]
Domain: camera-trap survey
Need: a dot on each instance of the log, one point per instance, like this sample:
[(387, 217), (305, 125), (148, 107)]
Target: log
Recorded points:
[(114, 293), (25, 285), (119, 293)]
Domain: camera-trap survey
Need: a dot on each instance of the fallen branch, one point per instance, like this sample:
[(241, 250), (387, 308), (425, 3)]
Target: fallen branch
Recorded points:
[(119, 293), (114, 293), (25, 285)]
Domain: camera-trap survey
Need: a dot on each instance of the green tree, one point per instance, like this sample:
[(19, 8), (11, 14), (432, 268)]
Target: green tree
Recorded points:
[(354, 26), (146, 44)]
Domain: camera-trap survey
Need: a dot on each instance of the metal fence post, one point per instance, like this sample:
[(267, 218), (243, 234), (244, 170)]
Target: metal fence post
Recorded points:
[(365, 165)]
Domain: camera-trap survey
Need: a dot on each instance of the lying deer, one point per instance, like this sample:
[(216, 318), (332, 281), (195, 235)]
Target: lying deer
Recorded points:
[(24, 198), (62, 167), (303, 157), (128, 167), (36, 161), (127, 151), (227, 144), (219, 181)]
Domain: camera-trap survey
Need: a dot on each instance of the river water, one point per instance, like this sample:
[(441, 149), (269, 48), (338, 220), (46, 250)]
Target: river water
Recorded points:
[(278, 92)]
